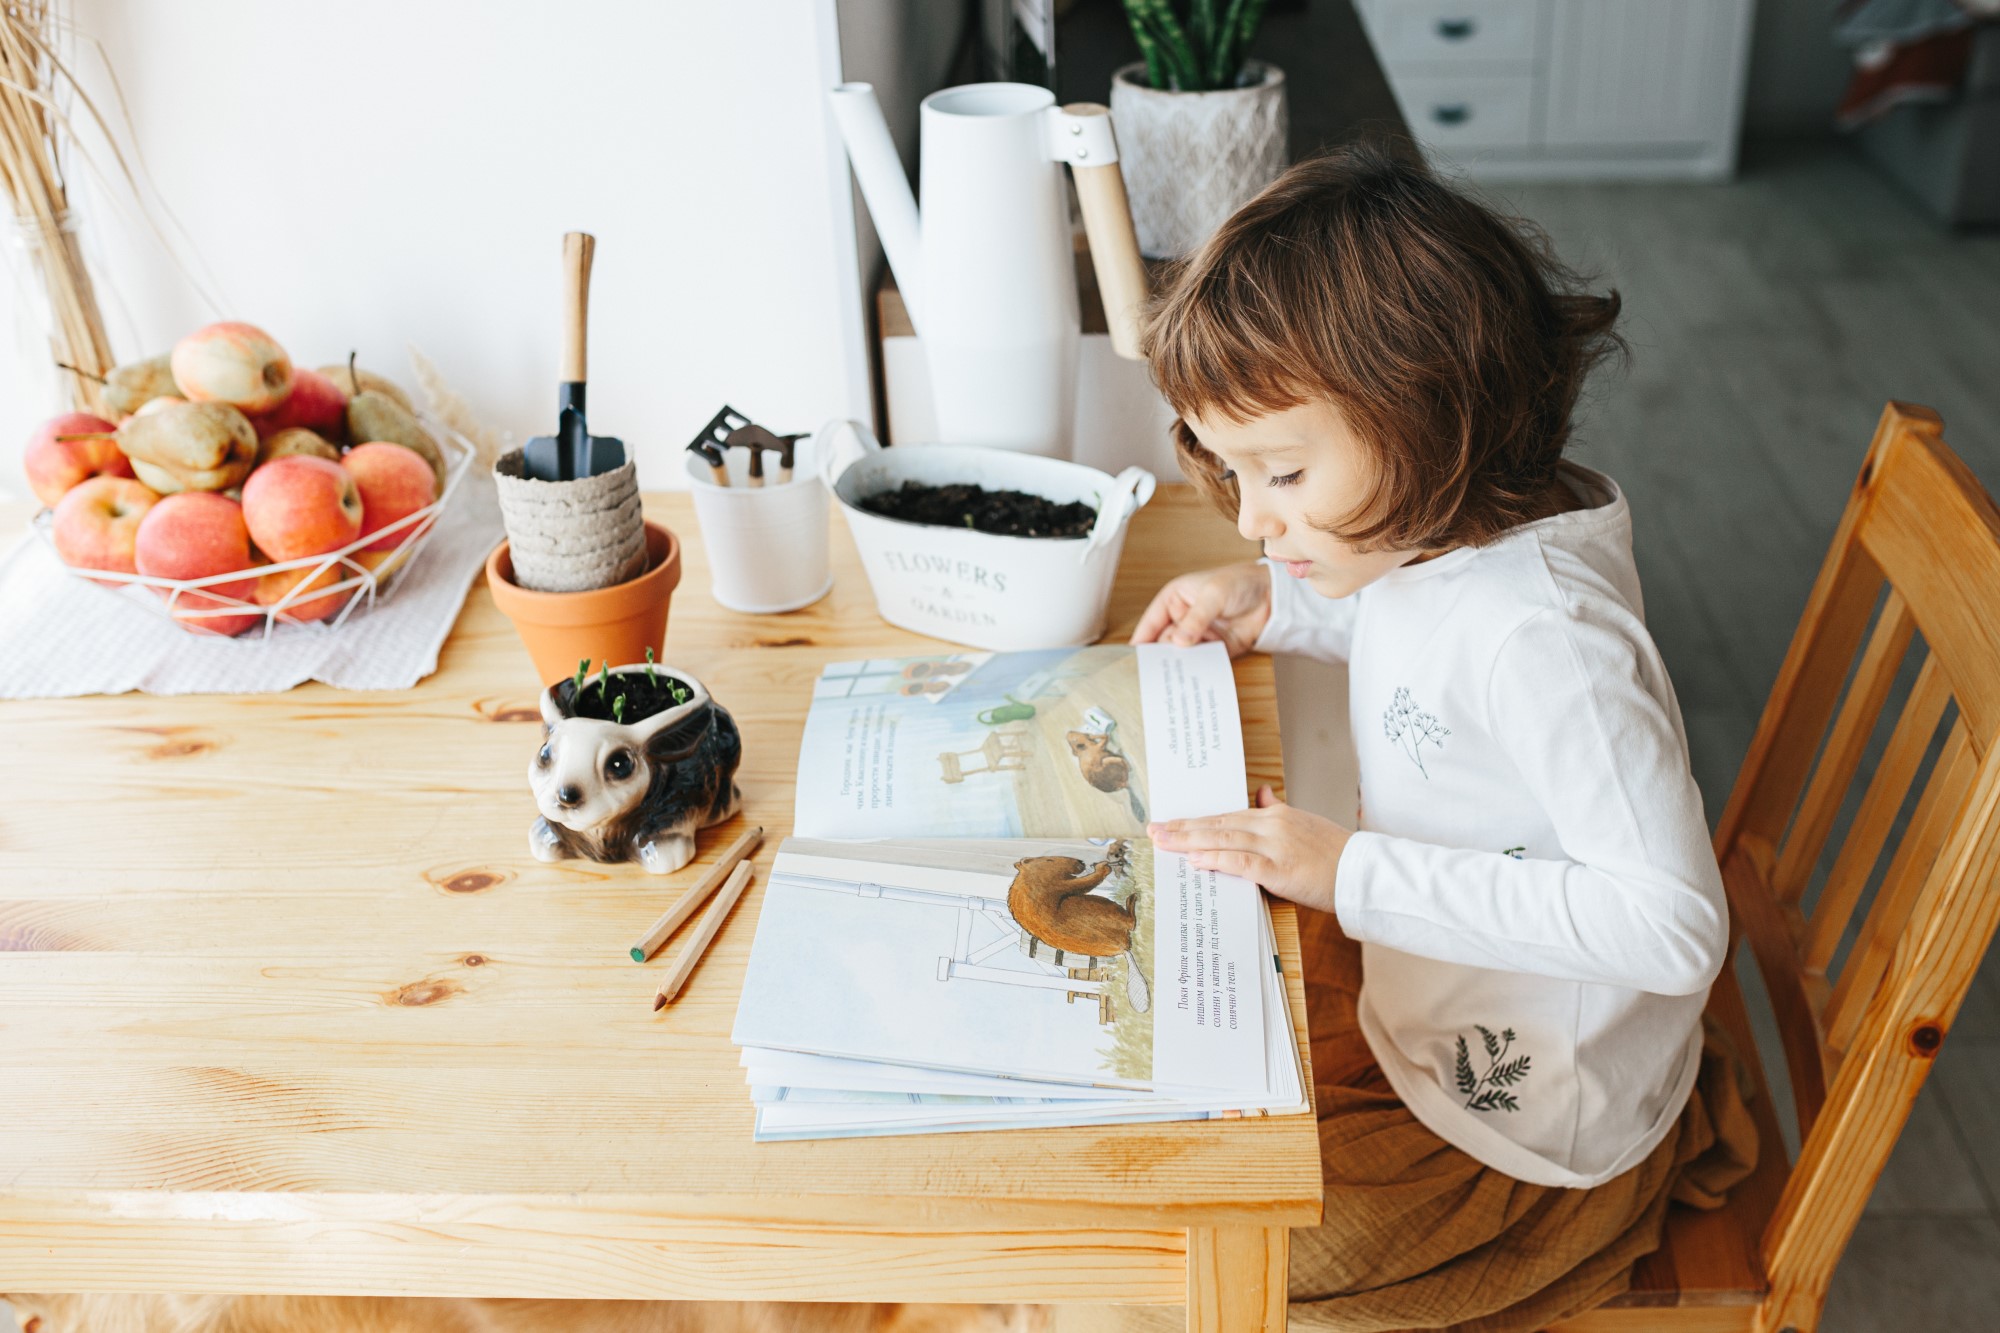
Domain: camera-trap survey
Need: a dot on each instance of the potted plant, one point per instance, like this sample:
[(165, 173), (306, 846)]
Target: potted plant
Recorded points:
[(1201, 128), (634, 760)]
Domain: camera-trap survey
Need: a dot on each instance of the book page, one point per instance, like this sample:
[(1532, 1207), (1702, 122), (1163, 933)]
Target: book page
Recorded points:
[(1064, 743), (1080, 961)]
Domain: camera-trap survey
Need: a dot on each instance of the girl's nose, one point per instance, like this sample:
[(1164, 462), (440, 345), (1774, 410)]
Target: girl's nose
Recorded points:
[(1256, 522)]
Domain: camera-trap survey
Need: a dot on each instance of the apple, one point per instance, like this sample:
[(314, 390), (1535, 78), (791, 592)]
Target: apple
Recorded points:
[(233, 363), (193, 535), (97, 525), (55, 464), (299, 505), (395, 482), (315, 403), (274, 588)]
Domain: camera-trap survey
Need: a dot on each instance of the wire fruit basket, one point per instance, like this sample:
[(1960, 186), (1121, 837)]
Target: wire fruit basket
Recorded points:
[(212, 604)]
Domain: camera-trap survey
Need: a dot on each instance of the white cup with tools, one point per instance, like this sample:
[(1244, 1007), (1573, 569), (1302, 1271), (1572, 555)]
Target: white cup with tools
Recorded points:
[(763, 524)]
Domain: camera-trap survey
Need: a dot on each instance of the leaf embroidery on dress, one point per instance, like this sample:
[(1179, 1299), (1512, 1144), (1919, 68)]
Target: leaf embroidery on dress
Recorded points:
[(1488, 1091), (1409, 726)]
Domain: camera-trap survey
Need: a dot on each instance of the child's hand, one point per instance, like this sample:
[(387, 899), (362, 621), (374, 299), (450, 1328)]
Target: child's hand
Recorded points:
[(1291, 853), (1232, 604)]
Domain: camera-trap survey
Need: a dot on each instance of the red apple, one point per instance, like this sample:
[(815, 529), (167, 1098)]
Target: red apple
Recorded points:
[(395, 482), (97, 524), (315, 403), (233, 363), (274, 588), (300, 505), (193, 535), (55, 465)]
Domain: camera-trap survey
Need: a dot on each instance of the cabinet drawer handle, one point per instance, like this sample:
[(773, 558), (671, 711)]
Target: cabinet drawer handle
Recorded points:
[(1456, 30), (1455, 113)]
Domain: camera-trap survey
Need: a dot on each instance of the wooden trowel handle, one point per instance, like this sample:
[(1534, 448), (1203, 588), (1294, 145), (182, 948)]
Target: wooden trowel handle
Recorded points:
[(578, 246)]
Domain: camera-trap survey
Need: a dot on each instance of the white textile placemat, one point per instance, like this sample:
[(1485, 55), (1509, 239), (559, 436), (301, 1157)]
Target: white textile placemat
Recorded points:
[(61, 635)]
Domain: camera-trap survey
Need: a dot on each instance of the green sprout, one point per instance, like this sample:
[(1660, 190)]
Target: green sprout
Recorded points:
[(651, 679), (968, 520), (604, 680), (576, 686), (680, 693), (618, 710)]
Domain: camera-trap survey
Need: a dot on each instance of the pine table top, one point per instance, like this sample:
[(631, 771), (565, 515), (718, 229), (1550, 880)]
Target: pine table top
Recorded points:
[(286, 1004)]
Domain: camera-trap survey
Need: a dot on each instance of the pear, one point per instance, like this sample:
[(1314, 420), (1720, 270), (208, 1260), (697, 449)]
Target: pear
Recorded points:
[(296, 440), (373, 415), (134, 384), (353, 380), (189, 447)]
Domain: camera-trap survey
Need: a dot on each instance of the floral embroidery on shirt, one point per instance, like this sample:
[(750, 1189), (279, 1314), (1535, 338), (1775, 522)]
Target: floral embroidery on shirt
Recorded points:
[(1488, 1091), (1515, 852), (1410, 727)]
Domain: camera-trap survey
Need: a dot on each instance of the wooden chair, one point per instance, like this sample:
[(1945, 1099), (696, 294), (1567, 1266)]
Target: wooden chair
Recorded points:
[(1917, 554)]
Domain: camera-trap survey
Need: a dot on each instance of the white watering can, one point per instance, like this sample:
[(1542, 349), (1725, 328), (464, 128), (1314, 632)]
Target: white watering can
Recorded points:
[(988, 274)]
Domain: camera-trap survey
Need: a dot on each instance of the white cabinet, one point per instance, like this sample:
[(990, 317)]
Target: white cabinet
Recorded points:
[(1569, 89)]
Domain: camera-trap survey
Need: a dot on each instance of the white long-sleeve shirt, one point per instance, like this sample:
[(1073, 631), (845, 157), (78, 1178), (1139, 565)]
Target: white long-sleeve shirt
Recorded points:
[(1531, 880)]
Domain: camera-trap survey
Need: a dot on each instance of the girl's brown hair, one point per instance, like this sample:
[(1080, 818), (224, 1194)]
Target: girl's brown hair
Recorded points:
[(1451, 339)]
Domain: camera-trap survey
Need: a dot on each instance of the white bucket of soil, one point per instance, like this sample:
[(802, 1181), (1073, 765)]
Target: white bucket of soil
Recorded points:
[(987, 590)]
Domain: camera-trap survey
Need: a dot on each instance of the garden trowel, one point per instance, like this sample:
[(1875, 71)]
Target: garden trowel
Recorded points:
[(573, 452)]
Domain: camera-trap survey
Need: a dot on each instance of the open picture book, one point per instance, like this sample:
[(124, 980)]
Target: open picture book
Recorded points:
[(970, 930)]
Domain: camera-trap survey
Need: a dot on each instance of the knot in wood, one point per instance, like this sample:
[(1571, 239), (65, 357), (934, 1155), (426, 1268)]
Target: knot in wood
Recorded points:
[(473, 879), (419, 993), (1925, 1038), (475, 960)]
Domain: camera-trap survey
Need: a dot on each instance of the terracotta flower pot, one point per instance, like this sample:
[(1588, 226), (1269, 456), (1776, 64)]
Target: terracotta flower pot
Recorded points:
[(615, 624)]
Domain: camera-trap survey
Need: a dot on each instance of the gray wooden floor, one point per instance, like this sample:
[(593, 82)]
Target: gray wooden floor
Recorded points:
[(1769, 320)]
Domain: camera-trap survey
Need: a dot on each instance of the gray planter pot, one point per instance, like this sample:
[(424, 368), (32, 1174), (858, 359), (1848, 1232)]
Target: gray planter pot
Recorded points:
[(1192, 159)]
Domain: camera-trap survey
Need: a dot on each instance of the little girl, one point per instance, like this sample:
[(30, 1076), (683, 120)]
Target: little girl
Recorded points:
[(1375, 376)]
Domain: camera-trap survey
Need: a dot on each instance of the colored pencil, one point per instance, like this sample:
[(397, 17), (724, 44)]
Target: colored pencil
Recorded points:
[(650, 942), (711, 922)]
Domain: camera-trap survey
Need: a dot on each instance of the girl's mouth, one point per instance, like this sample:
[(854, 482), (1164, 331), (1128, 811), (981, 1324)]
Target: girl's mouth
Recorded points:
[(1298, 569)]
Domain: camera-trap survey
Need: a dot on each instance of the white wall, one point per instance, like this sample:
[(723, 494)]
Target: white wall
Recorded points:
[(371, 174)]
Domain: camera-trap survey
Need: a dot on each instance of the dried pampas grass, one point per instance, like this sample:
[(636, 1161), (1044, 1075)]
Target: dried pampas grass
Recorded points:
[(38, 135), (445, 404), (33, 127)]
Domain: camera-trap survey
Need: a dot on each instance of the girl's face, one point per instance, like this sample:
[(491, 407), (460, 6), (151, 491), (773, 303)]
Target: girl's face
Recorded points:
[(1299, 472)]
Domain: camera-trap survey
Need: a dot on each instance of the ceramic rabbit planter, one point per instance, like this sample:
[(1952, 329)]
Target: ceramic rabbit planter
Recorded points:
[(633, 761)]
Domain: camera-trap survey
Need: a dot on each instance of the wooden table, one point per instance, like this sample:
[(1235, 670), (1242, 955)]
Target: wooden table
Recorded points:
[(286, 1006)]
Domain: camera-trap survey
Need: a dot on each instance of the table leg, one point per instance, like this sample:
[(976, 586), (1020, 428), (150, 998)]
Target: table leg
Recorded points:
[(1236, 1279)]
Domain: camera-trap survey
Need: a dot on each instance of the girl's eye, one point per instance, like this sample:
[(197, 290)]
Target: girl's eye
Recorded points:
[(1289, 479), (619, 766), (1227, 474)]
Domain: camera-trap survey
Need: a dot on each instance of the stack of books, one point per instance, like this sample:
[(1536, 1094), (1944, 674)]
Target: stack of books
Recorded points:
[(970, 929)]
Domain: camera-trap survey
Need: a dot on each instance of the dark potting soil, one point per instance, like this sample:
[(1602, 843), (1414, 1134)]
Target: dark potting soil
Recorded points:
[(643, 697), (964, 505)]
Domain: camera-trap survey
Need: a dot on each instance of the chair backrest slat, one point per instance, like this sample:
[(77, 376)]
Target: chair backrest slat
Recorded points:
[(1933, 530), (1887, 788), (1844, 745), (1909, 869)]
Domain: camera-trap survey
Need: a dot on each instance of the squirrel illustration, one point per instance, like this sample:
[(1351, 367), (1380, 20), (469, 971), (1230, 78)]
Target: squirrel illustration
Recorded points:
[(1051, 899), (1103, 767)]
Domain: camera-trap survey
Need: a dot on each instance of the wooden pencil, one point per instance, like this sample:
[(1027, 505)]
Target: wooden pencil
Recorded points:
[(711, 922), (669, 922)]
